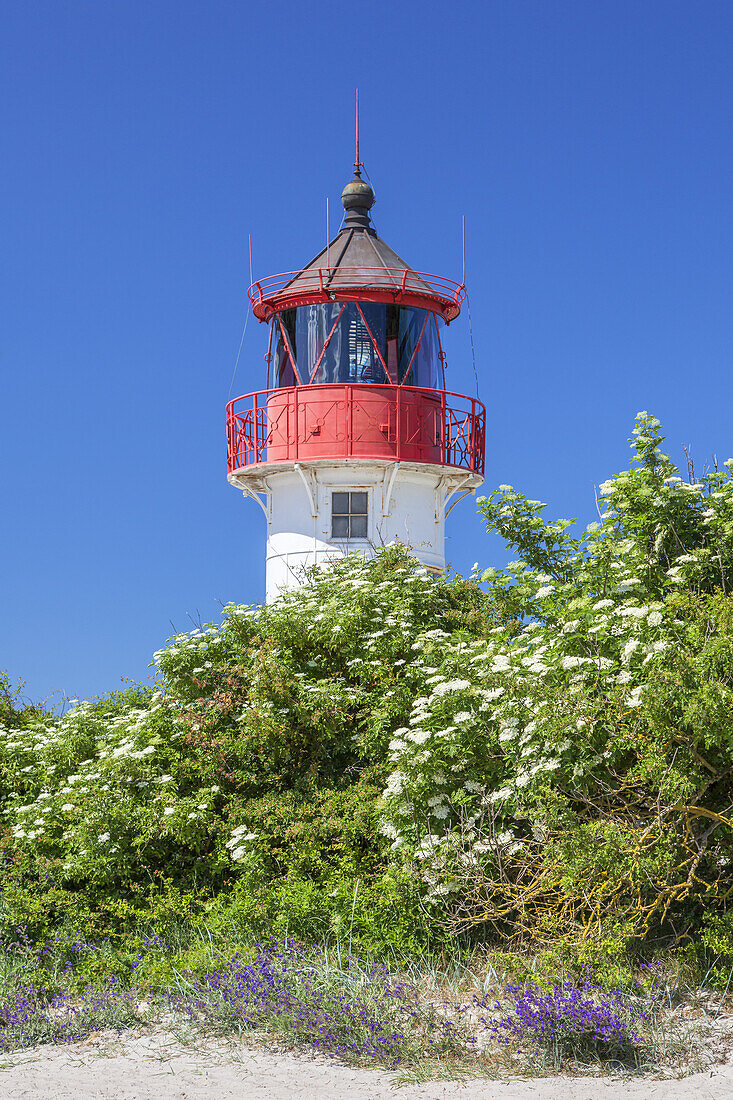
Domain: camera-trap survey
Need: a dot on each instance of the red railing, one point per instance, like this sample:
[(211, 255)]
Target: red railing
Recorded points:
[(339, 421), (323, 284)]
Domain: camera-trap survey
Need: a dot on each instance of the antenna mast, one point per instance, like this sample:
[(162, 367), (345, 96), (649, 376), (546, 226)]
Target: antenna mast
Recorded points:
[(357, 163)]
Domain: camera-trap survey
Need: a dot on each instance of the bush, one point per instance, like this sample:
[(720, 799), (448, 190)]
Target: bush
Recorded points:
[(247, 786), (568, 779), (540, 755)]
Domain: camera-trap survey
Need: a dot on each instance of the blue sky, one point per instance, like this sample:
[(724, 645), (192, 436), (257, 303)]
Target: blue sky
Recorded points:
[(588, 145)]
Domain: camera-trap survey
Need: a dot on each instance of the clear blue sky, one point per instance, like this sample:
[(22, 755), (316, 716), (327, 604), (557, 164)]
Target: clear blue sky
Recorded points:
[(588, 144)]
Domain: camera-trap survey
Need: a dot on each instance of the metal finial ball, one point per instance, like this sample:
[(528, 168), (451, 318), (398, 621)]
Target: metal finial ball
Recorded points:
[(357, 195)]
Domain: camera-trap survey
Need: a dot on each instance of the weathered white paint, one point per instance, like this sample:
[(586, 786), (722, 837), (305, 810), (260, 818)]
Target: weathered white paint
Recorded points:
[(406, 501)]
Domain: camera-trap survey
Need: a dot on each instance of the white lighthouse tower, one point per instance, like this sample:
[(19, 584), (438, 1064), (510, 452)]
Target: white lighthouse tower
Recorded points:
[(355, 440)]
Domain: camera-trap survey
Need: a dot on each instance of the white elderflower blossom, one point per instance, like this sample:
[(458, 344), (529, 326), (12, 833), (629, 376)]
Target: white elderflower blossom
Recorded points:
[(446, 732), (394, 783), (634, 698), (500, 795), (633, 612), (573, 662), (418, 736), (654, 618), (626, 585), (546, 590), (103, 838), (451, 685)]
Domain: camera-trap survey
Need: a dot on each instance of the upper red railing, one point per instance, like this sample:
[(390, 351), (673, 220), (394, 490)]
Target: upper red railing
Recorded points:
[(380, 284), (336, 421)]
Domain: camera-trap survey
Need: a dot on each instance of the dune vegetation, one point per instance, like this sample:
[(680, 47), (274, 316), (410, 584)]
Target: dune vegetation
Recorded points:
[(401, 818)]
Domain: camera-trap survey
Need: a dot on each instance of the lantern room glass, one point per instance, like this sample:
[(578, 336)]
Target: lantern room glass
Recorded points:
[(356, 342)]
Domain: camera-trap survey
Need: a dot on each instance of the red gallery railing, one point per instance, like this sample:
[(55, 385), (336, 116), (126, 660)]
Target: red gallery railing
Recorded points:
[(360, 420), (323, 284)]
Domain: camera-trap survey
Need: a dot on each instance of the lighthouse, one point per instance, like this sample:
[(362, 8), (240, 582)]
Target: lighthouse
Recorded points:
[(355, 441)]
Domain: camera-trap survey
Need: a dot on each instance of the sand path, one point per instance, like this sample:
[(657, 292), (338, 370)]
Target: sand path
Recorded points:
[(159, 1067)]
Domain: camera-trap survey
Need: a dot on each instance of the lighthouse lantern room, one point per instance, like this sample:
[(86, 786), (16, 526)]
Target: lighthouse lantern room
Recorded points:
[(355, 441)]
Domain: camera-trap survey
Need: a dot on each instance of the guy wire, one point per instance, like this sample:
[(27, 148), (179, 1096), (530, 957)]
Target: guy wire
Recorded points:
[(239, 352), (246, 319), (473, 351)]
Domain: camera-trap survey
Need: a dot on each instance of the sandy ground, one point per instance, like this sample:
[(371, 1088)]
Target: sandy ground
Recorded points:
[(159, 1067)]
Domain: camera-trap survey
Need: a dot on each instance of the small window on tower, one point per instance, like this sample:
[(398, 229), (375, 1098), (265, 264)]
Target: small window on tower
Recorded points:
[(349, 515)]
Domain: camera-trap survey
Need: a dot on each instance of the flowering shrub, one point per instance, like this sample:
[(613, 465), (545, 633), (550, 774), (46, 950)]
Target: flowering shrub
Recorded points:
[(568, 775), (541, 752), (247, 785)]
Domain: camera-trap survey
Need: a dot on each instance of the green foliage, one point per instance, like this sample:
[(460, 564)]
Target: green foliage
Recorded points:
[(14, 710), (568, 778), (247, 786), (544, 759)]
